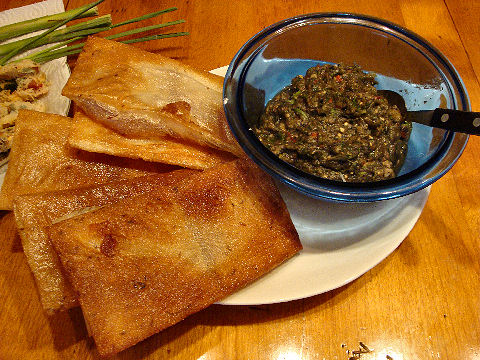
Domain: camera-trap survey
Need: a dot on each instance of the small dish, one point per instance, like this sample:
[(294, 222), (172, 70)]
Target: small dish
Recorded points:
[(341, 241), (403, 62)]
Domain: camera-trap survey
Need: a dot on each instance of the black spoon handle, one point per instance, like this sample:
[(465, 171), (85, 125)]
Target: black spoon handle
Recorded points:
[(456, 120)]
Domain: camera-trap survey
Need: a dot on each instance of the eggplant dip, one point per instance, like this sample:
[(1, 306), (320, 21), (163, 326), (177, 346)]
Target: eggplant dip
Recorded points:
[(332, 123)]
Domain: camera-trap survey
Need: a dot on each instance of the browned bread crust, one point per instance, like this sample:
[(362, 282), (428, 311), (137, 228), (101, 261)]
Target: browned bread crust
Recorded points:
[(90, 135)]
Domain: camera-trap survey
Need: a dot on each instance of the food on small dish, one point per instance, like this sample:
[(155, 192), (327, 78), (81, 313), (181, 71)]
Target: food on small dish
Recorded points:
[(22, 86), (145, 95), (92, 136), (145, 263), (268, 62), (333, 124), (34, 212), (41, 160)]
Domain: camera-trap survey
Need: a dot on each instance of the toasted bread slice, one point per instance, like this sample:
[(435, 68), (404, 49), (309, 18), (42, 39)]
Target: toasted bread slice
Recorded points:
[(145, 95), (33, 212), (92, 136), (41, 160), (145, 263)]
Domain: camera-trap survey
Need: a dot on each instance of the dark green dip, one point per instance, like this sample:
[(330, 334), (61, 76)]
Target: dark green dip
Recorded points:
[(333, 124)]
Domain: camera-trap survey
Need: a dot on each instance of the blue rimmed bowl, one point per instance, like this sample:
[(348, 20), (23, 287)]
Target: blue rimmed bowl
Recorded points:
[(402, 60)]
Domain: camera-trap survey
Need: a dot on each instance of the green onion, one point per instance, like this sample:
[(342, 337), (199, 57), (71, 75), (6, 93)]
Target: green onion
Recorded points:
[(85, 28), (146, 28), (46, 55), (38, 54), (144, 17), (52, 52), (29, 26), (154, 37), (36, 39), (80, 31)]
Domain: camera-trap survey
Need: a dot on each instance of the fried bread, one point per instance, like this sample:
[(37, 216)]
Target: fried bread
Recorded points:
[(144, 95), (92, 136), (41, 160), (145, 263), (33, 212)]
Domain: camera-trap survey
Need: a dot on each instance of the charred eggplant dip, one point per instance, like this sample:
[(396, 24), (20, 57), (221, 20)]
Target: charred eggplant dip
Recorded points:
[(333, 124)]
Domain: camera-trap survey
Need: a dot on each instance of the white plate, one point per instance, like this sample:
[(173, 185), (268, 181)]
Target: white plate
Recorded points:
[(341, 242), (56, 71)]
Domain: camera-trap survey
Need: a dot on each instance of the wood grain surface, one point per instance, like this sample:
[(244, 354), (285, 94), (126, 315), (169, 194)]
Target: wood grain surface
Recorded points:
[(421, 302)]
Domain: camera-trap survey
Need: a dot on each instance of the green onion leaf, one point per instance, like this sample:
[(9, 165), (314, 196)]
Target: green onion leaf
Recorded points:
[(28, 26), (36, 39)]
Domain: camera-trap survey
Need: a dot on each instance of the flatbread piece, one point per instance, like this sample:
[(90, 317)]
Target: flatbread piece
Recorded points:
[(92, 136), (145, 263), (144, 95), (34, 212), (41, 160)]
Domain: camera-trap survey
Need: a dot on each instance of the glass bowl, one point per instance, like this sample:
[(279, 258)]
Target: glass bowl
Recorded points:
[(403, 62)]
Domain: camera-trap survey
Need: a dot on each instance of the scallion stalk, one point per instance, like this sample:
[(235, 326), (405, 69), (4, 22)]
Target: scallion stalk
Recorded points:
[(36, 39), (85, 28), (41, 53), (75, 49), (73, 33), (144, 17), (143, 29), (28, 26), (154, 37)]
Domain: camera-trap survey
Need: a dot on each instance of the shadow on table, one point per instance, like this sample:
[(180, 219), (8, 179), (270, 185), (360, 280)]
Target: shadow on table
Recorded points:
[(182, 338), (68, 332)]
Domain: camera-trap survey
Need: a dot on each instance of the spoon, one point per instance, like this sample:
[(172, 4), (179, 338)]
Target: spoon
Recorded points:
[(454, 120)]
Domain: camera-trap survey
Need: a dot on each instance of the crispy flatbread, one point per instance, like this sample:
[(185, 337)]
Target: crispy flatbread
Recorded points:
[(146, 263), (33, 212), (92, 136), (146, 95), (41, 160)]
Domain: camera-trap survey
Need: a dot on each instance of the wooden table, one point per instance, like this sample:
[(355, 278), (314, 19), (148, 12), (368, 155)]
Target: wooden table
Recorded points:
[(422, 302)]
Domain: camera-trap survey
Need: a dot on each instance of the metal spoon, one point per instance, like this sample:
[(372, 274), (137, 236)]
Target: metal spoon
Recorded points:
[(453, 120)]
